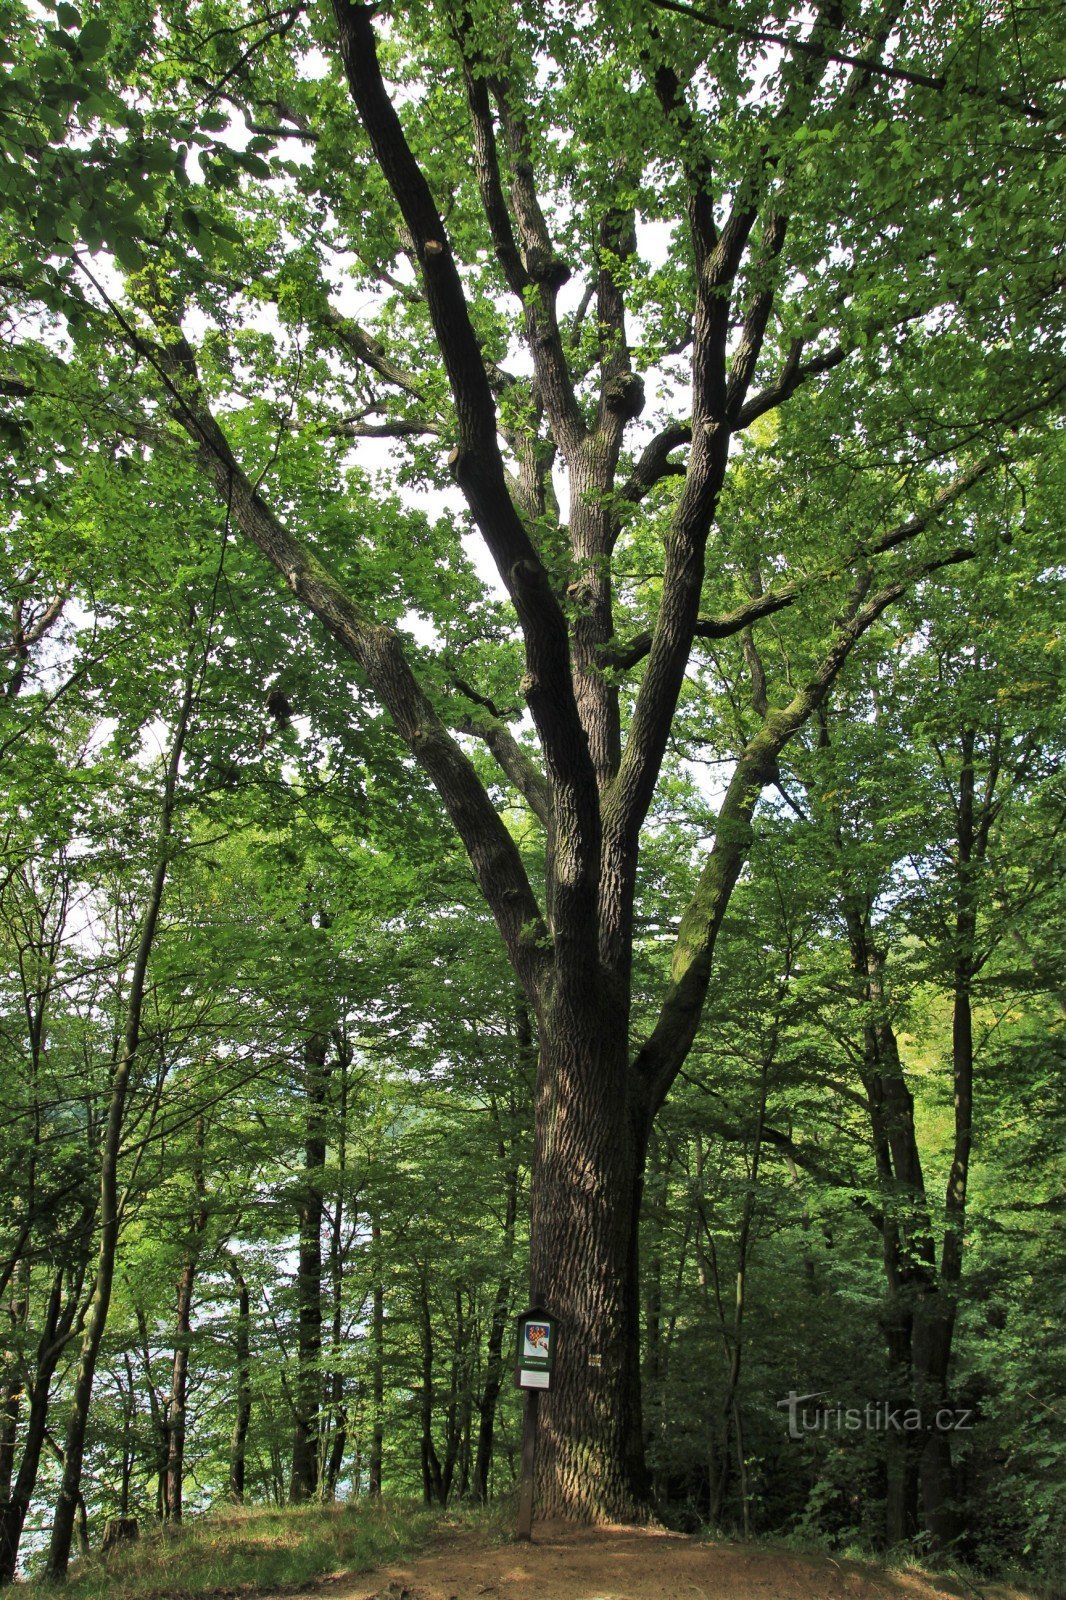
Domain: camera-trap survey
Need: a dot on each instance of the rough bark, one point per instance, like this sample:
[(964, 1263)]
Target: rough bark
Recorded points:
[(586, 1192)]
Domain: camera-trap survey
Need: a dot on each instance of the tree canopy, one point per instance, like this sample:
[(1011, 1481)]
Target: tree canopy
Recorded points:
[(592, 469)]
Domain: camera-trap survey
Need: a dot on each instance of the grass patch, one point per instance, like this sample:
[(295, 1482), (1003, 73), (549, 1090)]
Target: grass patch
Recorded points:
[(250, 1551)]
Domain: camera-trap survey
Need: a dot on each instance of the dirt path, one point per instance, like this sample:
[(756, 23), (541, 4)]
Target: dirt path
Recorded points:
[(565, 1563)]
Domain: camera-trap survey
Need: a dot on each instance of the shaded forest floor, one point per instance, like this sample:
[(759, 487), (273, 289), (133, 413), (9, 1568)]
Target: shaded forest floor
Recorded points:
[(396, 1551), (567, 1563)]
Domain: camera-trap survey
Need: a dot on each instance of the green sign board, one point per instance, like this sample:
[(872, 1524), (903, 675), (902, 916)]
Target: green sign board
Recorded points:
[(535, 1352)]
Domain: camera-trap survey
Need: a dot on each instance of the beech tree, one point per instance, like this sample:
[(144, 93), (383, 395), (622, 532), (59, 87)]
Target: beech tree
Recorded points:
[(599, 254)]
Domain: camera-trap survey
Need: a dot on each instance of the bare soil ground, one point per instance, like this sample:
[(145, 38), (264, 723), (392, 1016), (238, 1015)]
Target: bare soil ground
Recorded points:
[(566, 1563)]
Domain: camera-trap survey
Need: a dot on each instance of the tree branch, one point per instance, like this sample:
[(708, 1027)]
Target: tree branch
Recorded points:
[(370, 353), (654, 463), (622, 657), (545, 276), (354, 428), (865, 65), (794, 373), (672, 635), (625, 656), (749, 346), (509, 755), (662, 1054), (478, 463), (378, 652)]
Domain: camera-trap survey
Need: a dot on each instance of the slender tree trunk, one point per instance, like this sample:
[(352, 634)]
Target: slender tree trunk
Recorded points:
[(494, 1368), (129, 1412), (17, 1503), (243, 1408), (179, 1382), (96, 1319), (377, 1347), (303, 1483), (459, 1400), (731, 1419), (11, 1392), (175, 1470), (10, 1403), (157, 1407), (433, 1489), (974, 820), (655, 1356), (710, 1283), (336, 1437), (906, 1235), (59, 1319), (338, 1405), (466, 1443)]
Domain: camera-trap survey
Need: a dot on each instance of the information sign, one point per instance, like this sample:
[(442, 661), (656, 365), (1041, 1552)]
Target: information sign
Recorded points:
[(535, 1354)]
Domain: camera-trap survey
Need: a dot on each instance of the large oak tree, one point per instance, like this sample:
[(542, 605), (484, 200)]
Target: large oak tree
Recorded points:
[(572, 260)]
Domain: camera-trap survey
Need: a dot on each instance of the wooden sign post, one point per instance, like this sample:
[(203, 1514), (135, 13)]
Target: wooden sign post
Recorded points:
[(534, 1359)]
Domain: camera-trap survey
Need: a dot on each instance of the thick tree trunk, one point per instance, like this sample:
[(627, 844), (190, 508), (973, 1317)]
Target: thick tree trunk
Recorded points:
[(593, 796), (588, 1171)]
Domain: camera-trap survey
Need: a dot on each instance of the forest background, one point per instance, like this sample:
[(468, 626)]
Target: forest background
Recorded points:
[(734, 340)]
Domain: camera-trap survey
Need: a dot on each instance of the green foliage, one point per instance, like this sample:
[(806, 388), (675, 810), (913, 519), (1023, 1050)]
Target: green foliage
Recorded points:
[(201, 166)]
